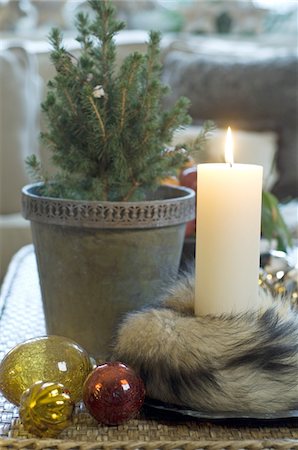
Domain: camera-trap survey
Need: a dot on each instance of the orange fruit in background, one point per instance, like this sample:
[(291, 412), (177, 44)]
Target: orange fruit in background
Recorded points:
[(170, 180)]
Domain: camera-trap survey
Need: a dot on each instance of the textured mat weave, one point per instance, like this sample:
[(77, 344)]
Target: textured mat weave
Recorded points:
[(21, 318)]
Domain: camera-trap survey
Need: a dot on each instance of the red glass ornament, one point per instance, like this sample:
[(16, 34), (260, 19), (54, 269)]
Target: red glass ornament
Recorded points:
[(113, 393)]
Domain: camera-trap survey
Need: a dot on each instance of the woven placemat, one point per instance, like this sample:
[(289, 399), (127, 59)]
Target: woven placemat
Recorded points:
[(21, 318)]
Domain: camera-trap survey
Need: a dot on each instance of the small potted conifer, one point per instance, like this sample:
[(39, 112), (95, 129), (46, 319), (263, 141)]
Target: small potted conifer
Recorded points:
[(107, 235)]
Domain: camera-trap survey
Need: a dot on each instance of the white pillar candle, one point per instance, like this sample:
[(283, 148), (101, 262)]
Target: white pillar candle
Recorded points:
[(227, 236)]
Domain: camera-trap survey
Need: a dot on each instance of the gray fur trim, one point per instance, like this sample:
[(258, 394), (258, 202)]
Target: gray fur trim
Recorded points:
[(245, 362)]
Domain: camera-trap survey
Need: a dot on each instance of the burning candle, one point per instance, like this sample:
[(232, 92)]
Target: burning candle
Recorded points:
[(228, 235)]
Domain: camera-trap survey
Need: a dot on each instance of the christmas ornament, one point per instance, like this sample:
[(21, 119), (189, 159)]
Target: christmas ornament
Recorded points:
[(113, 393), (278, 277), (46, 409), (49, 358)]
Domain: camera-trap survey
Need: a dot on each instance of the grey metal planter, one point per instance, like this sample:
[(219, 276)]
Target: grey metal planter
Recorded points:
[(99, 260)]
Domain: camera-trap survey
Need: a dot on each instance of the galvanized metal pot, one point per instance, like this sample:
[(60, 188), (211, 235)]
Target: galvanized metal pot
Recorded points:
[(99, 260)]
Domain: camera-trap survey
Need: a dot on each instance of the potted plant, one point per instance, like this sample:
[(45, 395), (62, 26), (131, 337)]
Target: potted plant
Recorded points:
[(108, 237)]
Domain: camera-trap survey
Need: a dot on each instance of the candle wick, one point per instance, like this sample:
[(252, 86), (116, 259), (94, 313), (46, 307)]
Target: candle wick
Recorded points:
[(231, 164)]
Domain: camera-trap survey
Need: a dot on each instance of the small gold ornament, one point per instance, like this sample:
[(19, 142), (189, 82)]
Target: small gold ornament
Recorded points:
[(48, 358), (46, 409)]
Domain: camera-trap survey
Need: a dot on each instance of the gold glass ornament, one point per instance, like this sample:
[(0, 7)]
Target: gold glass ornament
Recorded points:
[(48, 358), (46, 409)]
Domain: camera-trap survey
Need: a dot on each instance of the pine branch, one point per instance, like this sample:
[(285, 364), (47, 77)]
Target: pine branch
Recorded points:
[(174, 118), (153, 72), (105, 27), (35, 169), (196, 146), (100, 121), (82, 25), (128, 76), (133, 188), (71, 103)]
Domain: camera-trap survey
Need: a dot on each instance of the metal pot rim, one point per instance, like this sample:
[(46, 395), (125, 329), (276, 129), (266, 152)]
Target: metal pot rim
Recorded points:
[(176, 205)]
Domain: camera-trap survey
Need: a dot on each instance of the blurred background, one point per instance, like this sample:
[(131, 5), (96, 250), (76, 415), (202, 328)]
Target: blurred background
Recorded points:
[(236, 60)]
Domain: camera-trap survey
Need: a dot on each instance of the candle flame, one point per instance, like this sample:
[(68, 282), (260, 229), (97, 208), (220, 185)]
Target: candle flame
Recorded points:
[(229, 147)]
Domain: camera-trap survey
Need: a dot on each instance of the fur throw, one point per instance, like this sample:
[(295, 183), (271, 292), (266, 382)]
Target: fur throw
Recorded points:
[(244, 363)]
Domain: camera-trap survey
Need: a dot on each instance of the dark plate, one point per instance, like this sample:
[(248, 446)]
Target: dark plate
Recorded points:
[(221, 416)]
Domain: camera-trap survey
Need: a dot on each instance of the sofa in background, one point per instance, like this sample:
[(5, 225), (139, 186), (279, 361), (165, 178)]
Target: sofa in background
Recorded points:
[(248, 84), (20, 94)]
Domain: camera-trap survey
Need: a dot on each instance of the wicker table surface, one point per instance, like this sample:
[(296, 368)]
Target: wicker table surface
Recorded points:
[(21, 318)]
